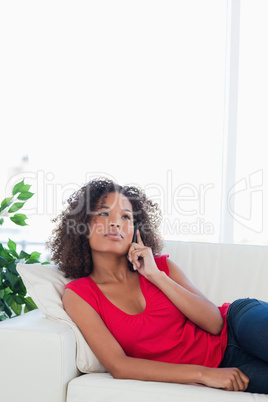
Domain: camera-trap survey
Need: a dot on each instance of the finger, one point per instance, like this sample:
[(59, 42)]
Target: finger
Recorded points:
[(132, 248), (135, 256), (238, 384), (131, 256), (244, 379), (139, 240), (237, 381), (231, 385), (138, 255)]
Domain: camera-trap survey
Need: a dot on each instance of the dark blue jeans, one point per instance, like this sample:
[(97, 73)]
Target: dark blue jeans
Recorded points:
[(247, 345)]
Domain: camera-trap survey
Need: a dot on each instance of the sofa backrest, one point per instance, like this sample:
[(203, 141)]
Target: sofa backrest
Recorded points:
[(223, 272)]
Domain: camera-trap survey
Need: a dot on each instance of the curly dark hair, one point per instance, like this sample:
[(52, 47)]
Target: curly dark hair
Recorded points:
[(69, 243)]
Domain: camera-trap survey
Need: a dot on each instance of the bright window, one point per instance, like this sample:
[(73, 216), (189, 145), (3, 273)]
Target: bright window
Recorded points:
[(134, 91), (128, 90), (250, 213)]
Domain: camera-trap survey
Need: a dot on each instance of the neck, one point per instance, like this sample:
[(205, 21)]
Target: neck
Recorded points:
[(109, 268)]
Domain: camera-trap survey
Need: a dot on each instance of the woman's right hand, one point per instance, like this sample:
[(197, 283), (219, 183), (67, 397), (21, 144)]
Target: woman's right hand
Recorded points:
[(228, 378)]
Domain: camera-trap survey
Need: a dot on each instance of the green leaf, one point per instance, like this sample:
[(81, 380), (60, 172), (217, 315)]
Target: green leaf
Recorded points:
[(11, 278), (23, 255), (7, 290), (12, 248), (15, 207), (26, 187), (3, 262), (11, 245), (35, 255), (30, 304), (17, 308), (25, 195), (13, 254), (20, 288), (5, 203), (18, 299), (12, 267), (7, 310), (31, 261), (19, 219), (8, 299), (5, 254), (13, 293), (18, 188)]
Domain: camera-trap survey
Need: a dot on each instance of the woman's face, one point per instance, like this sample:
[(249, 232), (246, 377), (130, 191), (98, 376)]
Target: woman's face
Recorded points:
[(112, 225)]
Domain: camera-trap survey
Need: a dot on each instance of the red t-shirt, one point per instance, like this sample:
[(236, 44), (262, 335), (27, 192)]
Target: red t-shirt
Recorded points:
[(161, 332)]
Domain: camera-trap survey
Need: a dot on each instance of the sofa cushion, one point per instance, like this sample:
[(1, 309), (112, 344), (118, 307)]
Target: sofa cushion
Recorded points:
[(45, 284), (103, 387), (223, 272)]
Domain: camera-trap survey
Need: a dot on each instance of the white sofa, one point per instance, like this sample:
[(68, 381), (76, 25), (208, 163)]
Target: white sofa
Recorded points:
[(39, 355)]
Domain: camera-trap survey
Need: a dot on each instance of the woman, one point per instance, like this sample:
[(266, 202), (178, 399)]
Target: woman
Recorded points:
[(137, 310)]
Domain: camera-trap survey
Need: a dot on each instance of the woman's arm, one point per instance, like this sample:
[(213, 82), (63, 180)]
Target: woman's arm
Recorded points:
[(177, 287), (112, 357), (188, 299)]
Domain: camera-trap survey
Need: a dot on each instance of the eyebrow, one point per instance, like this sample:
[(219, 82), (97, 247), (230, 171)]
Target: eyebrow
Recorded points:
[(127, 210), (106, 207)]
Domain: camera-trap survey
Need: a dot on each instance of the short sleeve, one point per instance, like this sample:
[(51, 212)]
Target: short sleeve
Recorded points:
[(84, 288), (161, 262)]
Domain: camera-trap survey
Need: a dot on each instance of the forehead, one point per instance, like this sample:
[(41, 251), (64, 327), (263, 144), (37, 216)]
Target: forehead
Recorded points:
[(115, 200)]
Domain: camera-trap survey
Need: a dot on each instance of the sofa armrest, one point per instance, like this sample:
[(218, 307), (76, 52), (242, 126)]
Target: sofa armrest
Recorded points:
[(37, 359)]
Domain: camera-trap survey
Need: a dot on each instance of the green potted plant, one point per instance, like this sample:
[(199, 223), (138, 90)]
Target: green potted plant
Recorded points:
[(13, 295)]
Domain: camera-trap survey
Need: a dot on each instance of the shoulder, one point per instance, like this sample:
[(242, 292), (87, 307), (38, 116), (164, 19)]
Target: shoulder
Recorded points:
[(85, 289), (162, 262), (79, 283)]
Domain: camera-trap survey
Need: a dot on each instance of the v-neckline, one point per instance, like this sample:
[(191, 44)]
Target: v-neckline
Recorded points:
[(112, 304)]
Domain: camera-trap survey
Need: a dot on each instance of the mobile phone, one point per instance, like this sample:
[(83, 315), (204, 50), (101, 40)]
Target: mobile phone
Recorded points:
[(134, 240)]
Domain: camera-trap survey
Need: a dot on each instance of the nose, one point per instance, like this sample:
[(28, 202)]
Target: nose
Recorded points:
[(114, 224)]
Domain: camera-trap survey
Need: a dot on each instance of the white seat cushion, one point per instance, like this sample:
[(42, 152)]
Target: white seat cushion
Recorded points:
[(97, 387)]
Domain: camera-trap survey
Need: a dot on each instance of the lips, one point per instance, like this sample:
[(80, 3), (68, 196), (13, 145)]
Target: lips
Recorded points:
[(114, 236)]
